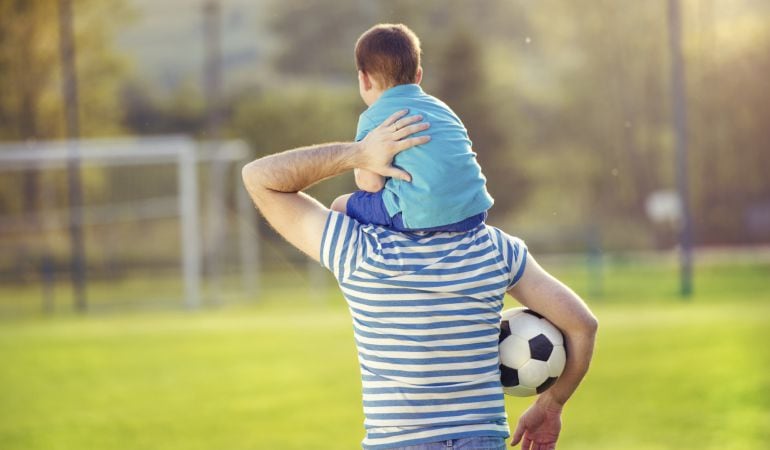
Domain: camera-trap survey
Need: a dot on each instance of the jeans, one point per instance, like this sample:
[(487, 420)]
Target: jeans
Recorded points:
[(471, 443)]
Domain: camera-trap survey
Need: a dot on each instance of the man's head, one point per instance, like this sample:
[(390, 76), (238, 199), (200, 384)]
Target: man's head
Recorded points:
[(387, 55)]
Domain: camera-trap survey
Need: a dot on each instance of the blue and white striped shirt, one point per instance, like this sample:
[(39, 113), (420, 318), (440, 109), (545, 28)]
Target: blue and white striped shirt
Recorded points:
[(426, 320)]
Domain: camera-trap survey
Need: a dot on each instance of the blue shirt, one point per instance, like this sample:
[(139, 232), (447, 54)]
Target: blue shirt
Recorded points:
[(447, 184), (426, 320)]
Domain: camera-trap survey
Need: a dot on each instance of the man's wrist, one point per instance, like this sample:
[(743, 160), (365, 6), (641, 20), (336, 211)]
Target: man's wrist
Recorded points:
[(356, 154), (550, 403)]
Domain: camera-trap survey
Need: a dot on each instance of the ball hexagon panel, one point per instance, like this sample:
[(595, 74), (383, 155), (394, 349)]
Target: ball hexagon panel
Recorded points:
[(557, 361), (540, 347), (514, 352), (525, 325), (533, 373), (551, 332), (513, 312), (532, 352), (532, 313), (509, 377), (546, 384), (505, 330), (520, 391)]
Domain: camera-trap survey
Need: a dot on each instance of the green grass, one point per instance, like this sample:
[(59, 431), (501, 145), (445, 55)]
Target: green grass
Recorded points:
[(667, 374)]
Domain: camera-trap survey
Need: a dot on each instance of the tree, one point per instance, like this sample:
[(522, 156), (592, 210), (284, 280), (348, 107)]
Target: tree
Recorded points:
[(459, 78), (316, 38), (30, 93)]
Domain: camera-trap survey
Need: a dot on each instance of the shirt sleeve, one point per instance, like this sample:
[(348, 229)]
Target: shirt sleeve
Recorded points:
[(341, 248), (514, 254)]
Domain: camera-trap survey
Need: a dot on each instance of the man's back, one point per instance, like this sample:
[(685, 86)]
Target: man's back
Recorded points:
[(426, 316)]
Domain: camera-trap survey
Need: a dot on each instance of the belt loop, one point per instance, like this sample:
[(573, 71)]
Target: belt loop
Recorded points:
[(450, 443)]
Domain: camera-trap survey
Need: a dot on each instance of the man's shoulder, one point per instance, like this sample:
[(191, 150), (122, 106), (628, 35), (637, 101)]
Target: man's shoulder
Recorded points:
[(501, 234), (341, 228)]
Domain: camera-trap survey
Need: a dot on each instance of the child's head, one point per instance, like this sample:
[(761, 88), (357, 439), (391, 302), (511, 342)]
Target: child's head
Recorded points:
[(387, 55)]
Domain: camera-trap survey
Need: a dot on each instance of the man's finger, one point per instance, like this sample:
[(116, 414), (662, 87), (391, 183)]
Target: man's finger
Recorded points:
[(394, 117), (395, 172), (517, 434), (401, 123), (411, 142), (526, 444), (411, 129)]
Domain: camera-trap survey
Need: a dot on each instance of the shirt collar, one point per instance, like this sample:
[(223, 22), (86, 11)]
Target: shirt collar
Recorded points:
[(402, 90)]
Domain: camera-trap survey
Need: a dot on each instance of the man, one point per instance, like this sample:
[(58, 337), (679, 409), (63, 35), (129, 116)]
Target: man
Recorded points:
[(425, 306)]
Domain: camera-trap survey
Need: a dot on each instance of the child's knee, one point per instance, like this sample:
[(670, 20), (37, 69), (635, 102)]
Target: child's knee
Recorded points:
[(340, 204)]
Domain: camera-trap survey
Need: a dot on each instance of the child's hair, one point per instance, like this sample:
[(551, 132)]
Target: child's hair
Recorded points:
[(390, 53)]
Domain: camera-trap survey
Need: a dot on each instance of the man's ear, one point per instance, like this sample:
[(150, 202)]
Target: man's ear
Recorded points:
[(418, 76), (365, 80)]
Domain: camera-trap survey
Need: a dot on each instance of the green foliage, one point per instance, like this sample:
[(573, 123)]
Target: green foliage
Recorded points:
[(319, 46), (148, 112), (29, 68), (730, 141), (460, 78), (31, 106), (294, 116), (568, 107)]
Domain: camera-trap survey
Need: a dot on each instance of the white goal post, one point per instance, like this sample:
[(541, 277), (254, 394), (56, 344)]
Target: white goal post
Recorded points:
[(138, 153)]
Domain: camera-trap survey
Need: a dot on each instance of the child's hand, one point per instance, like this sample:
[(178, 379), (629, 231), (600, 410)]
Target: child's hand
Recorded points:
[(391, 137)]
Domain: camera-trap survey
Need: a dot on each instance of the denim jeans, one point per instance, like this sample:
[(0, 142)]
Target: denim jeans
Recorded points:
[(471, 443)]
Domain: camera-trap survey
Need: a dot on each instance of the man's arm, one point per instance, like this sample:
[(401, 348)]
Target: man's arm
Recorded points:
[(274, 182), (539, 426)]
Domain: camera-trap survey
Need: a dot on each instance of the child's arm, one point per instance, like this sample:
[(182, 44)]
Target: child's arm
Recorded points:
[(369, 181)]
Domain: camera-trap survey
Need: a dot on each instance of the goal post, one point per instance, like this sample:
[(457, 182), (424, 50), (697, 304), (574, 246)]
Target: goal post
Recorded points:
[(142, 197)]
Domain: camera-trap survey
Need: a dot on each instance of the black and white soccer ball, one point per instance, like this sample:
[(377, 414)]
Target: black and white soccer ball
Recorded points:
[(532, 352)]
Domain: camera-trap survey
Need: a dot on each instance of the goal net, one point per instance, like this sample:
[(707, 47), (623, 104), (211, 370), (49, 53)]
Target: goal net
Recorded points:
[(164, 221)]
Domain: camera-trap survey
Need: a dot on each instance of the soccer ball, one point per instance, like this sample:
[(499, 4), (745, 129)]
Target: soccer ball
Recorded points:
[(532, 352)]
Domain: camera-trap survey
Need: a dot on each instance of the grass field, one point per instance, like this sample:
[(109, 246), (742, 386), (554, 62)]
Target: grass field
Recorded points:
[(667, 374)]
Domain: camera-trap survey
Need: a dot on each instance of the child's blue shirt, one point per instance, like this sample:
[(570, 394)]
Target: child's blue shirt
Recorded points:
[(447, 184)]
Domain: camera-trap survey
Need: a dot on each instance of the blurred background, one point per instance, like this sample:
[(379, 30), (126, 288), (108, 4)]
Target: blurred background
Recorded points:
[(144, 304)]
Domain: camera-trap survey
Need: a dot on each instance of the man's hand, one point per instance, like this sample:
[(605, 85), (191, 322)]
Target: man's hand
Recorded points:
[(383, 143), (538, 427), (275, 182)]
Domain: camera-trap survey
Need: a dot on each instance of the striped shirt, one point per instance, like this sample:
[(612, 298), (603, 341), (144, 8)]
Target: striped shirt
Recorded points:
[(426, 320)]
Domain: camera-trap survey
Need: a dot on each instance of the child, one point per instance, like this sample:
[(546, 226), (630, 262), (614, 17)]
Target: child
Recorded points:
[(448, 191)]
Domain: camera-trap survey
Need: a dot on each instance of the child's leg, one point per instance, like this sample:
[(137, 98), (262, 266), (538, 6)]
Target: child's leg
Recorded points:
[(340, 204), (365, 207)]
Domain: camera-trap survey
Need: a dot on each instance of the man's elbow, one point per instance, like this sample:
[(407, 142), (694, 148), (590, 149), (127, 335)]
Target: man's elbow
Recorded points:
[(252, 175), (246, 172), (583, 329), (590, 325), (584, 323)]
